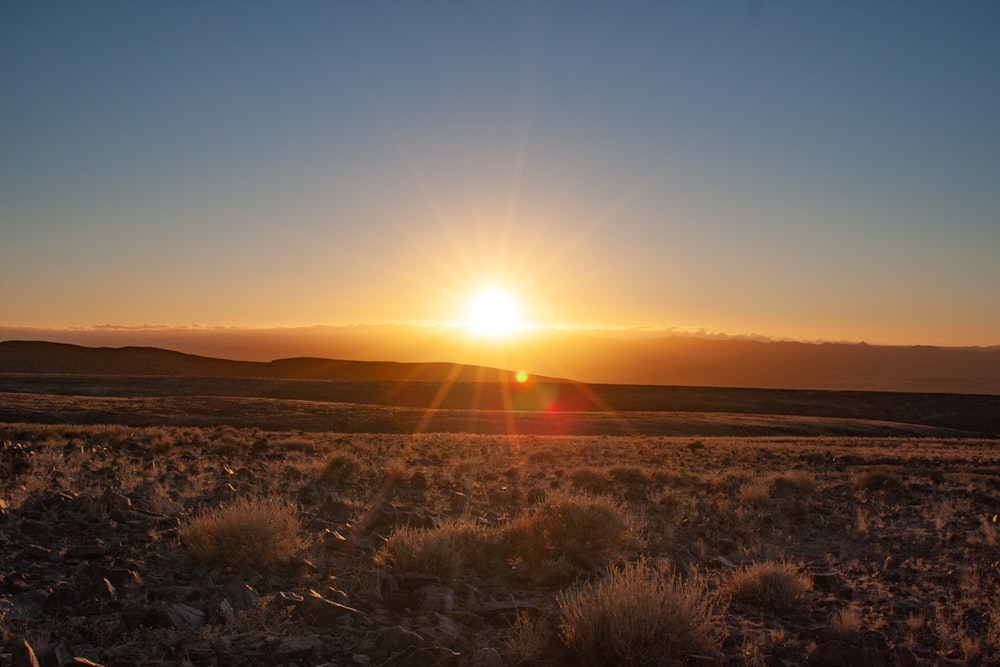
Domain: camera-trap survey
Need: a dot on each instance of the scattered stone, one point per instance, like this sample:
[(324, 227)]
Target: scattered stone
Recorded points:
[(295, 648), (24, 655), (81, 662), (836, 653), (723, 562), (487, 657), (506, 608), (36, 552), (334, 508), (440, 656), (27, 606), (436, 598), (85, 552), (183, 616), (826, 581), (398, 639), (317, 610), (241, 596)]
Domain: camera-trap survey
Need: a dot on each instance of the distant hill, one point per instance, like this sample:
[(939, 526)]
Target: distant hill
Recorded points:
[(42, 358), (140, 373), (635, 357)]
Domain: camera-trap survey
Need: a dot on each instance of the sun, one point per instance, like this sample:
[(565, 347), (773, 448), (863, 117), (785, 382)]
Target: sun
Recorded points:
[(493, 312)]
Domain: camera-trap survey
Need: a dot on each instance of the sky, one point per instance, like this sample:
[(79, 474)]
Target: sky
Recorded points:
[(797, 170)]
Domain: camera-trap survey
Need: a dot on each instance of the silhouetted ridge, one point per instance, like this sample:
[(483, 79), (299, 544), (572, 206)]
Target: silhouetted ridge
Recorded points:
[(44, 357)]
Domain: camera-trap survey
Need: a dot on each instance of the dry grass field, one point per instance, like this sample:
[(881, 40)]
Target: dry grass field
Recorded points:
[(198, 545)]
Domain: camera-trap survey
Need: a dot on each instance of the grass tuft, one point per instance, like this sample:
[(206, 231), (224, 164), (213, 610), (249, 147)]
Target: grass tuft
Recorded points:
[(258, 531), (639, 615), (770, 585)]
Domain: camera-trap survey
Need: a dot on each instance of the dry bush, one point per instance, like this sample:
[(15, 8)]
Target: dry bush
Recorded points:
[(576, 525), (755, 492), (878, 479), (526, 640), (443, 550), (425, 550), (293, 445), (341, 468), (794, 483), (630, 475), (638, 615), (847, 621), (768, 585), (589, 479), (259, 531)]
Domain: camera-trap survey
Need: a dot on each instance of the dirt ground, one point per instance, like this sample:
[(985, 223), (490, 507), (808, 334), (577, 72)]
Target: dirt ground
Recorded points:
[(895, 542)]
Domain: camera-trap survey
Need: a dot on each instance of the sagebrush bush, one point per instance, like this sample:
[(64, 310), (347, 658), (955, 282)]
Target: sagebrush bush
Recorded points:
[(341, 468), (582, 528), (443, 550), (768, 585), (639, 615), (258, 531), (576, 525)]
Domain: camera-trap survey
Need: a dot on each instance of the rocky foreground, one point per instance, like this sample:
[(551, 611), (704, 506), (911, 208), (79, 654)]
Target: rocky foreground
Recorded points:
[(886, 551)]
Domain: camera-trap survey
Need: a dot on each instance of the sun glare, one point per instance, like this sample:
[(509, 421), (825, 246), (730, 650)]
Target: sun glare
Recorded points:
[(493, 312)]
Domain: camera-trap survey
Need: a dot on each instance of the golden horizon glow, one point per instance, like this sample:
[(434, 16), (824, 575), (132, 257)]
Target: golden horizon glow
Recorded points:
[(493, 312)]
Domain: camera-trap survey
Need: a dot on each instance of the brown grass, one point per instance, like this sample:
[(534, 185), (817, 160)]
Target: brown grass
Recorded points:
[(639, 615), (768, 585), (259, 531)]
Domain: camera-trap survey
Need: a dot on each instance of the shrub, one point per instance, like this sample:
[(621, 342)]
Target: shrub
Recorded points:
[(768, 585), (878, 479), (340, 468), (589, 479), (426, 550), (443, 550), (258, 531), (638, 615), (628, 475), (755, 492), (576, 525)]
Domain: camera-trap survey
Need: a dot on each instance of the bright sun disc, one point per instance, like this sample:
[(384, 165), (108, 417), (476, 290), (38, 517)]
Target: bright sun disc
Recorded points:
[(493, 312)]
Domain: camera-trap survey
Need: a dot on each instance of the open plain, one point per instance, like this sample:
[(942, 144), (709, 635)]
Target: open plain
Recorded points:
[(148, 527)]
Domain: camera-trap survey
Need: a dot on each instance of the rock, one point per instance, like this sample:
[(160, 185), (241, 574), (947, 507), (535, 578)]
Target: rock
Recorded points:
[(448, 627), (183, 616), (722, 562), (836, 653), (23, 655), (112, 501), (506, 608), (487, 657), (384, 516), (335, 541), (226, 609), (427, 656), (27, 606), (334, 508), (418, 481), (317, 610), (436, 598), (85, 552), (825, 581), (241, 596), (36, 552), (81, 662), (398, 639), (295, 648)]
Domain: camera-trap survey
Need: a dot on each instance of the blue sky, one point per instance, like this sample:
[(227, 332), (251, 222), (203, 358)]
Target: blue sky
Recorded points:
[(810, 170)]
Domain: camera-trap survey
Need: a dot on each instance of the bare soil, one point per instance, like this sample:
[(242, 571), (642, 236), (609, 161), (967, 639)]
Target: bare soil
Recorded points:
[(898, 537), (884, 505)]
